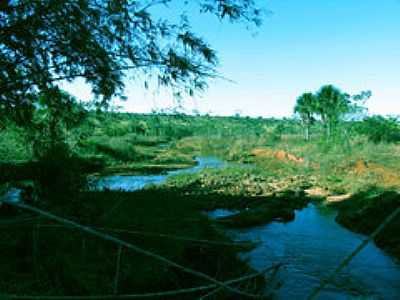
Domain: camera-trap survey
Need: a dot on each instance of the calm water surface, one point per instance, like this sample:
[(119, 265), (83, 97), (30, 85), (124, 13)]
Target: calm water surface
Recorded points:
[(136, 182), (313, 245)]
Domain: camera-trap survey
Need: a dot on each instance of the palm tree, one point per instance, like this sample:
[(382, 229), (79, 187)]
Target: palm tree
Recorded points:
[(331, 105), (305, 107)]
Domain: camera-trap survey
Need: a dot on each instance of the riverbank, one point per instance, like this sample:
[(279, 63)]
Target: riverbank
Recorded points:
[(168, 220), (266, 196), (264, 182), (172, 210), (169, 160), (364, 212), (258, 198), (335, 172)]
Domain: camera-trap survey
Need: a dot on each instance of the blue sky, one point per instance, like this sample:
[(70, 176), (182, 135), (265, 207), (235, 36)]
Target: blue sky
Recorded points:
[(303, 44)]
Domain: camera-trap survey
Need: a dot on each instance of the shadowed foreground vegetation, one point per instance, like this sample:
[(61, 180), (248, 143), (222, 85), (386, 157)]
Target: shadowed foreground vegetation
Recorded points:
[(54, 260)]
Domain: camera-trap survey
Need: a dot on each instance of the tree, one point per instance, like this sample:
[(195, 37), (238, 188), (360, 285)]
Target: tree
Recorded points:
[(380, 129), (305, 107), (357, 109), (43, 42), (331, 105), (56, 114)]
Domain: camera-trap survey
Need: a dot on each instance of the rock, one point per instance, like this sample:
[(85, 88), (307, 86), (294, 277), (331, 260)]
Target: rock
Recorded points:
[(338, 198), (316, 192)]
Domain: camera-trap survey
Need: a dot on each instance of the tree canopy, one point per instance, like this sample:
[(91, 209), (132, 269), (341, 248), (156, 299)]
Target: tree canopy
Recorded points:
[(330, 105), (43, 42), (305, 107), (380, 129)]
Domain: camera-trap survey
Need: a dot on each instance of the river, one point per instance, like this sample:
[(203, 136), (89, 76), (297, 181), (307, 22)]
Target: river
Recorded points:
[(312, 246), (131, 183), (309, 247)]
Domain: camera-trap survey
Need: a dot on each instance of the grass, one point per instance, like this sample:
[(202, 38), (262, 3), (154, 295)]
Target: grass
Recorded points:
[(133, 143), (148, 143), (335, 165)]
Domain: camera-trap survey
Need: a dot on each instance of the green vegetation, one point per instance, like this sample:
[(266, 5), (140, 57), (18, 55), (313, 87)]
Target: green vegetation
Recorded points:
[(351, 161), (64, 261), (51, 144), (379, 129), (271, 171), (305, 107), (330, 105)]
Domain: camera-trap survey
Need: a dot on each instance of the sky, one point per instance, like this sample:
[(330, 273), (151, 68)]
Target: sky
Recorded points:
[(302, 45)]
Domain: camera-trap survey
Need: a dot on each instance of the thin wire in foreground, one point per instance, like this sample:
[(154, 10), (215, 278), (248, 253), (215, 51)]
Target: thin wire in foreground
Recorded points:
[(275, 268), (130, 246)]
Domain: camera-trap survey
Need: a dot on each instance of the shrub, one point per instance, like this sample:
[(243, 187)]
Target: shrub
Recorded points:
[(14, 145), (380, 129), (60, 173)]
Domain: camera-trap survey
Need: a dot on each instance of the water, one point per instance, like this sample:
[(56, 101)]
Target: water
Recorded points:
[(131, 183), (313, 245), (310, 247), (221, 212), (12, 195)]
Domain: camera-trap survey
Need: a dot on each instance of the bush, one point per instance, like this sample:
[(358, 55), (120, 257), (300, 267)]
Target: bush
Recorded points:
[(60, 172), (379, 129), (14, 145)]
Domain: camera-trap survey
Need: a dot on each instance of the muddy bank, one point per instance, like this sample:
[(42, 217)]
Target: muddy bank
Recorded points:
[(241, 180), (169, 162), (252, 210), (144, 169), (258, 199), (364, 212), (262, 210)]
